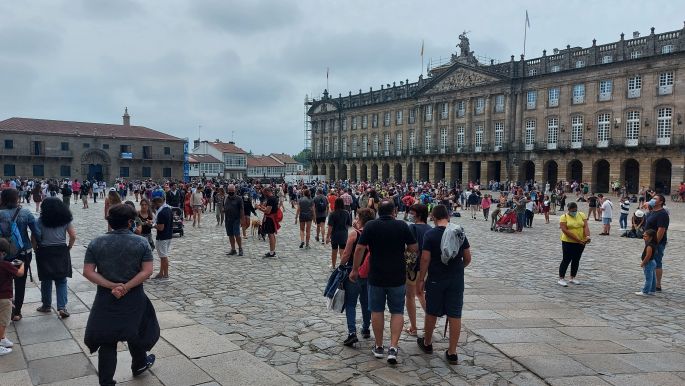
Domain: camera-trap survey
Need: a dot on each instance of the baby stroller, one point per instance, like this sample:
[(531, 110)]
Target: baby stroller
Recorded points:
[(177, 221), (507, 222)]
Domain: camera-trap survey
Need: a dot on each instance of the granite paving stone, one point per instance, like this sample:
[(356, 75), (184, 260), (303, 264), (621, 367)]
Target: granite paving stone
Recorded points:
[(51, 349), (178, 370), (38, 329), (197, 341), (60, 368), (238, 367)]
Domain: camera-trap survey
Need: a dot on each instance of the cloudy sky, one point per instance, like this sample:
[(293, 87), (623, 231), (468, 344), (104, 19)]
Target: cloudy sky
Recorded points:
[(243, 68)]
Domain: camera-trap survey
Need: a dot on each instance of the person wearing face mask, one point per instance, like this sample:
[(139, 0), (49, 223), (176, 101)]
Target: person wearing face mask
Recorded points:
[(233, 207), (658, 220), (575, 233), (418, 219)]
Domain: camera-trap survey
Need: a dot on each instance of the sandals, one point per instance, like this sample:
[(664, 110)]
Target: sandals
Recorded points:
[(16, 318)]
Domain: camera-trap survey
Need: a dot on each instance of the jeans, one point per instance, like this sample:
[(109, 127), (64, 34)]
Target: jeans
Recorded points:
[(623, 221), (650, 277), (520, 220), (107, 361), (61, 289), (352, 292)]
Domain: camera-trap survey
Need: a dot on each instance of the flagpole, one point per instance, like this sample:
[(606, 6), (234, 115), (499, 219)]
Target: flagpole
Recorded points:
[(327, 69), (421, 57), (525, 32)]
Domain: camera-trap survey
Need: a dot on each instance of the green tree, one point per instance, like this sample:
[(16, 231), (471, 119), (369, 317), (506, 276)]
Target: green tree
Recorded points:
[(303, 157)]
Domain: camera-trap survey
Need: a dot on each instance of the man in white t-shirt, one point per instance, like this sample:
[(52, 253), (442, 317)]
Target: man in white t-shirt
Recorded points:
[(607, 214)]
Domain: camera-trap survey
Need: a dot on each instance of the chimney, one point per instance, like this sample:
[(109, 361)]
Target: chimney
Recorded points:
[(196, 144), (127, 118)]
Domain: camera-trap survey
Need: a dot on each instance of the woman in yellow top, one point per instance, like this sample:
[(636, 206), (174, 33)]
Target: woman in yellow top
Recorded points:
[(575, 233)]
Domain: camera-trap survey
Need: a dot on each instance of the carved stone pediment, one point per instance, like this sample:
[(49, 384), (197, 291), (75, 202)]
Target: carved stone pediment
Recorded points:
[(461, 78), (324, 108)]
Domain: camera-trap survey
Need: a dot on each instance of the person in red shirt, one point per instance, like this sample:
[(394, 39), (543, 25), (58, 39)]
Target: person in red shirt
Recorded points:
[(331, 200)]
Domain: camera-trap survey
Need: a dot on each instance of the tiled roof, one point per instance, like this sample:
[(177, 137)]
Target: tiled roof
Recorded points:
[(262, 160), (203, 158), (227, 147), (85, 129), (285, 158)]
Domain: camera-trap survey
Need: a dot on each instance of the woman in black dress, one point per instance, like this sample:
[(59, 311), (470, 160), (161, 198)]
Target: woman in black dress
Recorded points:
[(338, 224)]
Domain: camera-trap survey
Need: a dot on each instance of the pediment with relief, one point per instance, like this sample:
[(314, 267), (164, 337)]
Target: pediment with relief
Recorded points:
[(461, 78)]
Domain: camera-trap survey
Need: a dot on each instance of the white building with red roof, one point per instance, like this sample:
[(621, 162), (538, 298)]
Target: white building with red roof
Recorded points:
[(233, 157)]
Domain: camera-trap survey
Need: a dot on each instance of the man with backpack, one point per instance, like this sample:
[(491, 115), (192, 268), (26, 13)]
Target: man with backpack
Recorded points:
[(320, 213), (15, 222), (444, 257), (66, 193)]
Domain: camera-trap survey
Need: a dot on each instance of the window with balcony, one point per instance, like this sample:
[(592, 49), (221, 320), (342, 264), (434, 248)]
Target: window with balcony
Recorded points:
[(635, 54), (555, 68), (499, 135), (9, 170), (37, 148), (326, 147), (375, 144), (577, 132), (461, 109), (664, 126), (324, 126), (531, 99), (124, 171), (478, 138), (412, 115), (444, 110), (354, 123), (665, 83), (632, 128), (398, 117), (125, 148), (65, 170), (499, 103), (580, 63), (532, 72), (386, 119), (443, 140), (398, 143), (365, 121), (634, 86), (461, 138), (354, 146), (578, 94), (386, 144), (39, 170), (603, 129), (480, 105), (9, 144), (605, 88), (344, 146), (365, 145), (374, 120), (335, 146), (553, 97), (552, 133), (530, 134), (147, 152), (667, 49), (427, 140), (344, 124), (166, 172), (607, 59), (412, 141), (64, 146), (147, 172), (428, 112)]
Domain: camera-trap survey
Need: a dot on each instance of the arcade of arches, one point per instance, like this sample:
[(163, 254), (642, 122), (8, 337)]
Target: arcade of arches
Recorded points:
[(663, 174)]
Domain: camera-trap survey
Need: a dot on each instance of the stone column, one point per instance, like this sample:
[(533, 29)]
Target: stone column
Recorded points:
[(484, 172), (451, 129), (518, 119), (488, 138), (468, 139)]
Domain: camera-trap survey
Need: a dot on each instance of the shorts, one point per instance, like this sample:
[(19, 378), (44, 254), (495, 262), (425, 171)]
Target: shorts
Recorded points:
[(320, 220), (5, 312), (393, 295), (233, 227), (444, 297), (659, 254), (268, 226), (606, 220), (336, 245), (163, 248), (305, 218)]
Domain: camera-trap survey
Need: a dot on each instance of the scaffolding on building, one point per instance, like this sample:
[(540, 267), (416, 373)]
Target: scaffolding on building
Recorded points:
[(307, 124)]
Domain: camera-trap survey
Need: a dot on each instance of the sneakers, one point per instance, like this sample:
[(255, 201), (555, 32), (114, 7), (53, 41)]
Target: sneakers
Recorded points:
[(6, 343), (351, 340), (378, 352), (301, 244), (63, 313), (452, 359), (240, 251), (366, 334), (640, 293), (5, 351), (658, 289), (44, 309), (574, 281), (233, 252), (150, 360), (392, 355), (427, 348), (270, 254), (563, 283)]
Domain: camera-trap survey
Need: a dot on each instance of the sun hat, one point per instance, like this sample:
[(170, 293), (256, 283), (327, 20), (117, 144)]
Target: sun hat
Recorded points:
[(639, 213)]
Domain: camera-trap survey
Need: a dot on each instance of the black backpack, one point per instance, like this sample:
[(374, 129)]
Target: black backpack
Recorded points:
[(320, 204)]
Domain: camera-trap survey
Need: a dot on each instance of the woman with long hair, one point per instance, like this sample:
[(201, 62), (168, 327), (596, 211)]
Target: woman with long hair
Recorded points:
[(305, 214), (187, 208), (112, 199), (53, 256), (146, 218), (338, 224), (37, 193), (197, 200)]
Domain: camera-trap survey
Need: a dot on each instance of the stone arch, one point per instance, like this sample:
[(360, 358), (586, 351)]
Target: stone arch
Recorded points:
[(527, 172), (353, 172), (630, 175), (364, 173), (551, 173), (323, 171), (374, 172), (398, 172), (410, 172), (385, 174), (315, 169), (331, 173), (661, 172), (342, 173), (600, 176), (574, 171), (95, 164)]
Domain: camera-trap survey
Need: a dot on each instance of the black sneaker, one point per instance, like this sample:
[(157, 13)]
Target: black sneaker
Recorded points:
[(452, 359), (366, 334), (427, 348), (658, 289), (240, 252), (150, 360), (270, 254), (351, 340), (316, 238), (378, 352), (392, 355), (233, 252), (302, 245)]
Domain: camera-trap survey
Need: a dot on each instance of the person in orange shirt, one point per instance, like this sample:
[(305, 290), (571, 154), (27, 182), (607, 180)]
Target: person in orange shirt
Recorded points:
[(331, 200)]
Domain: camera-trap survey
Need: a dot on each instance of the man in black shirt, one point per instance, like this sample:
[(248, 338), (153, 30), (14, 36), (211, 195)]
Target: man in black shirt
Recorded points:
[(173, 196), (445, 286), (387, 239), (233, 207), (658, 219), (270, 224)]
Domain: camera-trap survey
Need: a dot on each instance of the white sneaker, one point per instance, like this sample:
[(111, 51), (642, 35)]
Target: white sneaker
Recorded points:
[(574, 281), (5, 350), (640, 293), (563, 283), (4, 342)]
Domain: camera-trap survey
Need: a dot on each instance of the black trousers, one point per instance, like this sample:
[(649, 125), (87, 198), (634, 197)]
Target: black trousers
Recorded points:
[(572, 253), (20, 283), (107, 361)]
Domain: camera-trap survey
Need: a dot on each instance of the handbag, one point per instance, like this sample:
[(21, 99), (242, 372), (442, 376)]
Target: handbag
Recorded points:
[(337, 302)]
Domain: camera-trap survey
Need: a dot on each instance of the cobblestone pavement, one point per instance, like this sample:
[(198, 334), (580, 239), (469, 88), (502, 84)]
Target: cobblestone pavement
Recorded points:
[(263, 321)]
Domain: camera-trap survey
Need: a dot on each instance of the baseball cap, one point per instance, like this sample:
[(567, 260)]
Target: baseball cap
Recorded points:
[(157, 194)]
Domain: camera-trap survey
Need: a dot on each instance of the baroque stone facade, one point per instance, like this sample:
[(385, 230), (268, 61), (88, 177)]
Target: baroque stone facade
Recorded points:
[(600, 114)]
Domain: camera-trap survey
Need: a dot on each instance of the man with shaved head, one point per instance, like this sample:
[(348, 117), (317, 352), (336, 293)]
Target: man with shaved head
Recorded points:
[(233, 207)]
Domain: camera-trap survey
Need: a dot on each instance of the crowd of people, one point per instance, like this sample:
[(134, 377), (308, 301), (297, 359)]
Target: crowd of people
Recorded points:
[(355, 219)]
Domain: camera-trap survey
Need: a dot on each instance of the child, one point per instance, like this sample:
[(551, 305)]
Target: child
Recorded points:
[(648, 263), (7, 272), (496, 214)]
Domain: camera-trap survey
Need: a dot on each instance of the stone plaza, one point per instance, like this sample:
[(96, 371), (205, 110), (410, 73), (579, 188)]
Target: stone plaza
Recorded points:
[(249, 320)]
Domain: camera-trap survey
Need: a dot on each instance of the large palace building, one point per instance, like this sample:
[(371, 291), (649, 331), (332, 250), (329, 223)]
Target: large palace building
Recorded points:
[(600, 114)]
